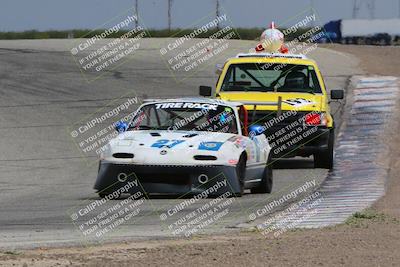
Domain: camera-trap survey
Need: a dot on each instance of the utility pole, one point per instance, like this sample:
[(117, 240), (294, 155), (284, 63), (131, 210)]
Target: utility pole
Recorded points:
[(137, 13), (312, 11), (371, 8), (217, 12), (169, 14), (355, 9)]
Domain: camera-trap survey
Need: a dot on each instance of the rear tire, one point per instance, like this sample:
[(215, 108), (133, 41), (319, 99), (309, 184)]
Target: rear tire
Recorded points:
[(265, 185), (325, 159)]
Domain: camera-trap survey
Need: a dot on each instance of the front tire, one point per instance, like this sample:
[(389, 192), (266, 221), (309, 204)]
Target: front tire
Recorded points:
[(241, 174), (325, 159), (266, 183)]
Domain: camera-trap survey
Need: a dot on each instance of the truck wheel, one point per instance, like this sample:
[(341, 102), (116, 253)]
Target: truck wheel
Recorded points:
[(265, 185), (324, 159), (241, 174)]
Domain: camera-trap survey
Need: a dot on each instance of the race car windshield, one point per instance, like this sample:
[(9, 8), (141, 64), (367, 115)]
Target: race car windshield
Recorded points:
[(266, 77), (185, 116)]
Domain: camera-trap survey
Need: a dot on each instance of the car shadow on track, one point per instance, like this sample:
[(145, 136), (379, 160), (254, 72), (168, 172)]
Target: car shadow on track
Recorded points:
[(297, 163)]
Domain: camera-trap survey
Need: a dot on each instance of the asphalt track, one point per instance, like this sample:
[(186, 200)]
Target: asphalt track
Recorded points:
[(44, 177)]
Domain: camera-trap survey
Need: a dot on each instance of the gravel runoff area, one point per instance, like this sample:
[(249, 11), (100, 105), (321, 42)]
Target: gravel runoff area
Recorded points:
[(371, 238)]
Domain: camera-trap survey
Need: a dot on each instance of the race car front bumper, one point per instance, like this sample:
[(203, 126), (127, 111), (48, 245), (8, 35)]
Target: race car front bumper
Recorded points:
[(168, 179)]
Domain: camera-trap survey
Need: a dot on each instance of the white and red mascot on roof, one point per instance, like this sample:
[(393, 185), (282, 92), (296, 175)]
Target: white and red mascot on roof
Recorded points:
[(271, 41)]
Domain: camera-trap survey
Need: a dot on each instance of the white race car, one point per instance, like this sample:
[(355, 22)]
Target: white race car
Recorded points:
[(187, 145)]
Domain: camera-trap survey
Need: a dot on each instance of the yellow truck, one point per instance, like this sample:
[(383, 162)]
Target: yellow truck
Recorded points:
[(285, 98)]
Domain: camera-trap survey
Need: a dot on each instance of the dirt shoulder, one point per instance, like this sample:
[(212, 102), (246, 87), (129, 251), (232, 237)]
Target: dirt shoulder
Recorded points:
[(365, 243), (377, 60), (370, 239)]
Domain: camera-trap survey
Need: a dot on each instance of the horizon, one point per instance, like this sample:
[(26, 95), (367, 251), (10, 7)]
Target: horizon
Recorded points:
[(46, 15)]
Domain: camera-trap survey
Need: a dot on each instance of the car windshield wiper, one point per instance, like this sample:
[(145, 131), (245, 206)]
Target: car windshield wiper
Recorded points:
[(161, 128), (311, 91), (247, 89), (263, 89), (142, 127)]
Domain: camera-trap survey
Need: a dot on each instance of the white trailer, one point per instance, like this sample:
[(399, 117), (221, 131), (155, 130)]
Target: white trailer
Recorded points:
[(367, 31)]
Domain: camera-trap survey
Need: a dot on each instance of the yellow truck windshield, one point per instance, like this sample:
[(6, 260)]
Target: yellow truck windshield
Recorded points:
[(268, 77)]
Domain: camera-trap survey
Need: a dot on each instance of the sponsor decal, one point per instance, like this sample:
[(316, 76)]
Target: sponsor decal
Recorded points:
[(240, 143), (211, 146), (298, 102), (186, 105), (165, 143)]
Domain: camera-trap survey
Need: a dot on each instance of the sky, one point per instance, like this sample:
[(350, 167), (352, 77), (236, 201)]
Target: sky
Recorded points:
[(20, 15)]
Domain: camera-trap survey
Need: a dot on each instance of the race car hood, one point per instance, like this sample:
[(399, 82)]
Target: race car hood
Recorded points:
[(290, 101), (170, 147)]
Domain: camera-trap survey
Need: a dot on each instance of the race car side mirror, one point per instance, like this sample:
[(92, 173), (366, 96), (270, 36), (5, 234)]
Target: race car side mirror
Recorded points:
[(337, 94), (121, 126), (205, 90)]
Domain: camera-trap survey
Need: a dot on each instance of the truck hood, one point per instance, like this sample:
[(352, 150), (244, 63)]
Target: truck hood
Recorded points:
[(290, 100)]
